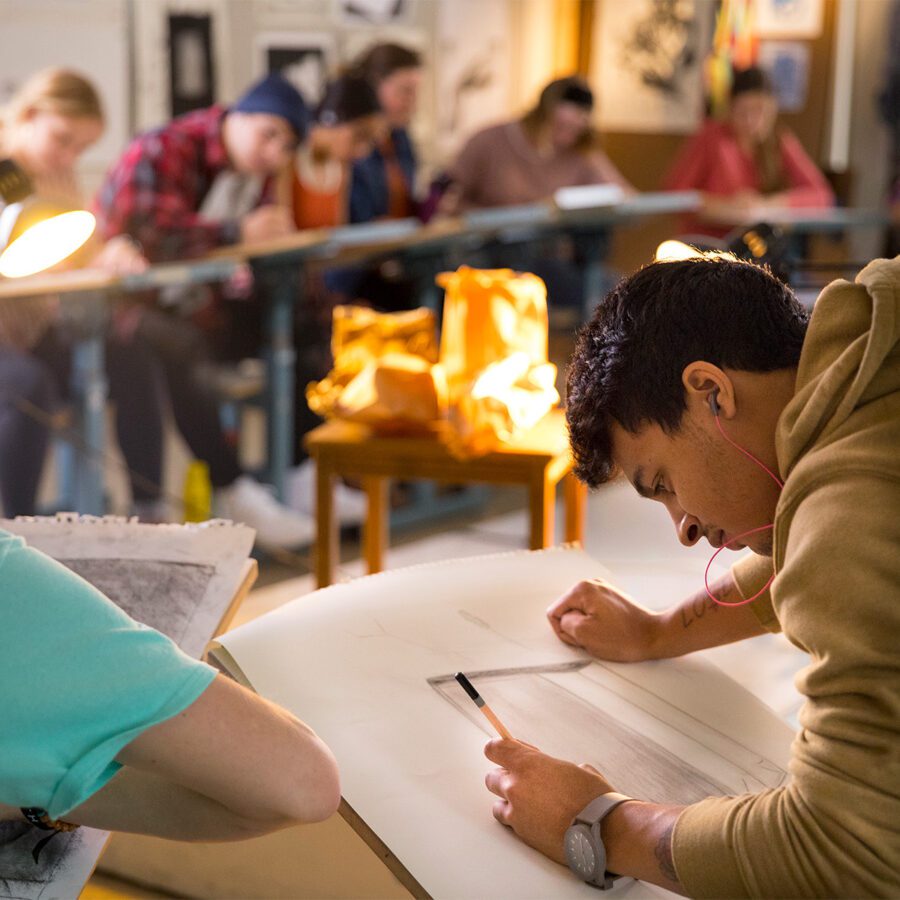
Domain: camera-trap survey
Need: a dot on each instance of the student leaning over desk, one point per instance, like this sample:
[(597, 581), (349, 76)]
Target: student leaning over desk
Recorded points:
[(107, 723), (678, 356), (316, 190), (45, 127), (748, 160), (203, 181), (383, 184)]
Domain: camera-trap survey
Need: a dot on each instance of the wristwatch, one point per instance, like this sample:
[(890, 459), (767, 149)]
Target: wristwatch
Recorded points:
[(585, 852)]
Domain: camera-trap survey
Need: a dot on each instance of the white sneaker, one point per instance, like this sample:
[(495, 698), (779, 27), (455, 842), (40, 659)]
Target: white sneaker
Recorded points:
[(253, 504), (350, 505)]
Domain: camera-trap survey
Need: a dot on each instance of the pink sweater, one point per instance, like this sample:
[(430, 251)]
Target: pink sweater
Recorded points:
[(499, 166), (712, 162)]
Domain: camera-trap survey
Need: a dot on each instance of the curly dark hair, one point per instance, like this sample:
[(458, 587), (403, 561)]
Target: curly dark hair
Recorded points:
[(629, 358)]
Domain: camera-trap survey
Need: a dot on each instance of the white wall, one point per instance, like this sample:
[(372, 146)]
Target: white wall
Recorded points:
[(869, 138), (86, 35)]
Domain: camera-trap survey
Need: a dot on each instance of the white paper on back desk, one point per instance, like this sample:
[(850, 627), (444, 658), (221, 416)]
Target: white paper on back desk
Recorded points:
[(369, 666)]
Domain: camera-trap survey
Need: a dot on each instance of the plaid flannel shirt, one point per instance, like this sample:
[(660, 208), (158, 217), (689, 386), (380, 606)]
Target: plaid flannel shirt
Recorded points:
[(155, 190)]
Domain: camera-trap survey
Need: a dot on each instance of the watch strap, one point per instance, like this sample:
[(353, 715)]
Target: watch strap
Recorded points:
[(600, 807)]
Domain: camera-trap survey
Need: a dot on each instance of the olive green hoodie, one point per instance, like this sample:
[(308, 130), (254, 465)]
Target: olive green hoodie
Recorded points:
[(835, 829)]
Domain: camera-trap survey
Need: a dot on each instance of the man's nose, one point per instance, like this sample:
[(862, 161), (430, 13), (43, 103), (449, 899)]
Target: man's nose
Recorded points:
[(689, 530)]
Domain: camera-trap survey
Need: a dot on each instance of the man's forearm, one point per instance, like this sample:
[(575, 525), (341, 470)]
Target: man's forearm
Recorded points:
[(638, 841), (699, 622)]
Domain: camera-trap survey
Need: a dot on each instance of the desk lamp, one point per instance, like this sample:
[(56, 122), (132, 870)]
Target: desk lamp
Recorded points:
[(42, 233)]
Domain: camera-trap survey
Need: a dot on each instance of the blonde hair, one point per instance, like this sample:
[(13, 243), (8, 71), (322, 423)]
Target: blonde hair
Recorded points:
[(59, 91)]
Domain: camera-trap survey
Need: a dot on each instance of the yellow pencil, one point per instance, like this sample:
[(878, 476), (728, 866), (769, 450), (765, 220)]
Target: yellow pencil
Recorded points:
[(469, 688)]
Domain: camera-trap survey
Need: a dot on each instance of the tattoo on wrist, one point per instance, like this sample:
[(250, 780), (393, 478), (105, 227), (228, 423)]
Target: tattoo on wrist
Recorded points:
[(663, 854)]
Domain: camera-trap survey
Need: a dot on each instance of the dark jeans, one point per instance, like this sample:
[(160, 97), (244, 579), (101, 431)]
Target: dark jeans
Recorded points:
[(33, 387), (26, 383), (242, 336), (178, 349), (157, 365)]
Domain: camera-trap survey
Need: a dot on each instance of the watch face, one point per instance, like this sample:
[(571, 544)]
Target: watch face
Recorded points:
[(580, 853)]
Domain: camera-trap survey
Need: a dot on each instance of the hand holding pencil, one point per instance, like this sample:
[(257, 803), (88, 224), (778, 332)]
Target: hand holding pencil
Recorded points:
[(478, 700)]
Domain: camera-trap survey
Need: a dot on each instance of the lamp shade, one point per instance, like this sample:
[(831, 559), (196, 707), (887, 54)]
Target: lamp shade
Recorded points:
[(43, 235)]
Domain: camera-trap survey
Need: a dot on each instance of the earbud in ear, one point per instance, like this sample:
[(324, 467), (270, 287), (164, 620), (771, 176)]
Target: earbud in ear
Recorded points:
[(714, 402)]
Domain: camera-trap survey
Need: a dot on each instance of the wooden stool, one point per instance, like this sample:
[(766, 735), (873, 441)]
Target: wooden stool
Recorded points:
[(539, 459)]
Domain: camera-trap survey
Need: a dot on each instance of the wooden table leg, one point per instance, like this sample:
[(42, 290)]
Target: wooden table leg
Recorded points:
[(575, 494), (541, 501), (375, 528), (327, 539)]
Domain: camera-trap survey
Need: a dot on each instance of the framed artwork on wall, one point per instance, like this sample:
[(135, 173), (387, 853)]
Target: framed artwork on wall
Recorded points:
[(787, 63), (306, 59), (788, 18), (473, 78), (371, 12), (648, 64), (191, 69)]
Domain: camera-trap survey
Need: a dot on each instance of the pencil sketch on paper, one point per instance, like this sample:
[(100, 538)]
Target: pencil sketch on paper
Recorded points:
[(157, 593), (63, 866), (178, 579), (588, 713)]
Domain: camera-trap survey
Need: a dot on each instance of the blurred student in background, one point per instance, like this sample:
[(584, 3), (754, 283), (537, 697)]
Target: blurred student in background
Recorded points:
[(206, 180), (343, 131), (554, 145), (748, 160), (384, 182), (316, 191), (54, 117)]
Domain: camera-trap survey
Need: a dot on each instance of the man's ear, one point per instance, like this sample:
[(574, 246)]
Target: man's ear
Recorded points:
[(703, 380)]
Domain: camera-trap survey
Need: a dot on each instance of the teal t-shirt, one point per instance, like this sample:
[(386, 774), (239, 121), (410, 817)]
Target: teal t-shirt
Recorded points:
[(79, 679)]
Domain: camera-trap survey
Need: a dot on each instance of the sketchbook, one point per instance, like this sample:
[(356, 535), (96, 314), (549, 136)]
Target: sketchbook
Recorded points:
[(369, 665), (178, 579)]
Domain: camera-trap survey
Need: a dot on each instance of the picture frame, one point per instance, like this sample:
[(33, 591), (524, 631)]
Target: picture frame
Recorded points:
[(648, 68), (372, 13), (192, 79), (787, 64), (305, 58), (788, 18)]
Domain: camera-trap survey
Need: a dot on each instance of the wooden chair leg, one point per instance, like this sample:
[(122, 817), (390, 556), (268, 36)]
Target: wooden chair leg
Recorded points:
[(575, 494), (375, 528), (541, 501), (327, 538)]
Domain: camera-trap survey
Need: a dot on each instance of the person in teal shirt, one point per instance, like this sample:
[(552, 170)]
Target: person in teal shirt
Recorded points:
[(105, 722)]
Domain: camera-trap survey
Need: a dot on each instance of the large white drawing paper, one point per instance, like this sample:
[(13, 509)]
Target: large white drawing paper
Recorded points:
[(179, 579), (369, 665)]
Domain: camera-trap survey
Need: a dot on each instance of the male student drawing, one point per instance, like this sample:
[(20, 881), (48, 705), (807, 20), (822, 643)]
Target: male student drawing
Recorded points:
[(679, 356)]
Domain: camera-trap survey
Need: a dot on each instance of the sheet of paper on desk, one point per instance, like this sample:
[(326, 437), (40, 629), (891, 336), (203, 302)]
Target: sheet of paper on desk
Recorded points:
[(178, 579), (369, 666)]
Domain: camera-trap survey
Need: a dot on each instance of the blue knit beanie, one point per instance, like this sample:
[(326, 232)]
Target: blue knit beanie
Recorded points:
[(277, 97)]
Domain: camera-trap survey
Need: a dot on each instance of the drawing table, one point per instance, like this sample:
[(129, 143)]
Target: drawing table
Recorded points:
[(538, 459), (369, 665)]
